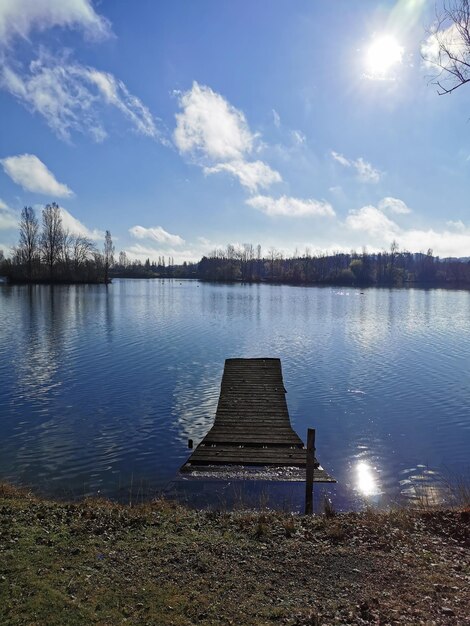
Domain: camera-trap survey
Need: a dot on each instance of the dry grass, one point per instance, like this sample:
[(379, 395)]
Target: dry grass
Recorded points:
[(161, 563), (9, 491)]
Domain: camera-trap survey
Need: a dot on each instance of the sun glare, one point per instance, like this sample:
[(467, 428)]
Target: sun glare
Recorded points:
[(383, 53), (366, 480)]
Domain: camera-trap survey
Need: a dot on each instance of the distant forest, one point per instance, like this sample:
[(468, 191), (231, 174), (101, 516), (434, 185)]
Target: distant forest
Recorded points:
[(47, 252), (249, 264), (386, 268)]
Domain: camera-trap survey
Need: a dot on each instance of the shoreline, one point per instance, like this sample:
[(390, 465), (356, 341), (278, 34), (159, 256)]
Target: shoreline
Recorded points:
[(52, 283), (162, 563), (456, 286)]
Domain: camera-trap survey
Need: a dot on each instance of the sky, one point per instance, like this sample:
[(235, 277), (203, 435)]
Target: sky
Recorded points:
[(185, 126)]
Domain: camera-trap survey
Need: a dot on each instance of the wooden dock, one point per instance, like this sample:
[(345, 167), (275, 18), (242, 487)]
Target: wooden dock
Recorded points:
[(252, 425)]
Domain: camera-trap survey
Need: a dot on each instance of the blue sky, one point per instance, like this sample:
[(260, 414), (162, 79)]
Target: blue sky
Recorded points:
[(184, 126)]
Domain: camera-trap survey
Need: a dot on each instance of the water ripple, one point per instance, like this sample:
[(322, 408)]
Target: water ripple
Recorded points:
[(100, 387)]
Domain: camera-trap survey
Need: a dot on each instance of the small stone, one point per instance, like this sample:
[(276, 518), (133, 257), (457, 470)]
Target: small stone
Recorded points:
[(447, 611)]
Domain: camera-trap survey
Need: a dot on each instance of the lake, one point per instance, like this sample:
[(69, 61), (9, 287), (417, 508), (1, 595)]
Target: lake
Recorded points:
[(101, 388)]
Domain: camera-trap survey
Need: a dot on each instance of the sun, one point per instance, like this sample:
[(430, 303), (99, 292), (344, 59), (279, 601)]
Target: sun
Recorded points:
[(383, 53)]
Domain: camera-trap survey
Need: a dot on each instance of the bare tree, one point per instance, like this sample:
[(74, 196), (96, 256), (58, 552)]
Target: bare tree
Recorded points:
[(52, 236), (29, 239), (123, 259), (394, 248), (108, 255), (273, 254), (447, 48), (82, 249)]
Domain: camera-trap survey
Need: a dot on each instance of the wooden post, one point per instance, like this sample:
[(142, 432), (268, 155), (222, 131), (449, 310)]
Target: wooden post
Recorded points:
[(310, 468)]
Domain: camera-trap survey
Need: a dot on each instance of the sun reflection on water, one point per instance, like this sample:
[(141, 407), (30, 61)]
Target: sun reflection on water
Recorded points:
[(366, 480)]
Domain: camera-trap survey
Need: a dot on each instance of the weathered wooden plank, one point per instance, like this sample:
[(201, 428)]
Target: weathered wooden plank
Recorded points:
[(247, 459), (240, 451), (255, 437), (253, 425), (250, 456), (240, 434)]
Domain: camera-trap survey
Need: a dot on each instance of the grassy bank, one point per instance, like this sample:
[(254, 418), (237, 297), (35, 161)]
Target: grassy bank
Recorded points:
[(100, 563)]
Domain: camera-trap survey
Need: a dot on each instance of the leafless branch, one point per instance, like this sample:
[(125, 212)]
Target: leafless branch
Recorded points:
[(450, 56)]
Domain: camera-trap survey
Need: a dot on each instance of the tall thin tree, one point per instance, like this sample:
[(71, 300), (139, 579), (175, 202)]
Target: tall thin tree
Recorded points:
[(29, 239), (108, 255)]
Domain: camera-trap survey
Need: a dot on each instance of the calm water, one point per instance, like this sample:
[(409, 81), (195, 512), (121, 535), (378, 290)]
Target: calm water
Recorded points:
[(100, 389)]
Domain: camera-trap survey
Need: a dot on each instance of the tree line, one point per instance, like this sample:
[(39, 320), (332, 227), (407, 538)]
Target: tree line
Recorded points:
[(48, 252), (387, 268)]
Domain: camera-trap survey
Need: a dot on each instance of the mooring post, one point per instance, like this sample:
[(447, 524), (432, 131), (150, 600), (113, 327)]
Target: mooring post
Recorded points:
[(310, 468)]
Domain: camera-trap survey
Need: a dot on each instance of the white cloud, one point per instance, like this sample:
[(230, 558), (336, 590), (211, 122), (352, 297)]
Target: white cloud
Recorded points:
[(448, 38), (341, 159), (298, 137), (70, 96), (457, 225), (31, 173), (443, 243), (6, 248), (445, 51), (75, 227), (365, 227), (193, 252), (394, 205), (156, 234), (211, 126), (116, 93), (372, 221), (20, 17), (217, 135), (291, 207), (276, 119), (379, 231), (430, 51), (8, 217), (365, 170), (251, 174), (142, 253)]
